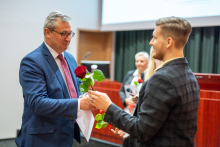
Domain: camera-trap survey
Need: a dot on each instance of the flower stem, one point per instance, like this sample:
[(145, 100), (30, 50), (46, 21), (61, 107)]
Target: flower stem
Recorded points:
[(92, 88)]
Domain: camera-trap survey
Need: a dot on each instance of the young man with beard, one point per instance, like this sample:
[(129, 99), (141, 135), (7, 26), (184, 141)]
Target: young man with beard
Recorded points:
[(166, 112)]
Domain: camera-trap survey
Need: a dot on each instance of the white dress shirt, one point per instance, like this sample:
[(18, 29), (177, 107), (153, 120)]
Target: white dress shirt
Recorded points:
[(135, 75), (55, 54)]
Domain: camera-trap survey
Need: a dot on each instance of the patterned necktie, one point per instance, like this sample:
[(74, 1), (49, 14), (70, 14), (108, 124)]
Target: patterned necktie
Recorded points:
[(69, 80)]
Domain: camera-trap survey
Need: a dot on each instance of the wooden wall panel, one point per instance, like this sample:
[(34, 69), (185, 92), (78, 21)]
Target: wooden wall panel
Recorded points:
[(208, 123), (107, 84), (208, 81)]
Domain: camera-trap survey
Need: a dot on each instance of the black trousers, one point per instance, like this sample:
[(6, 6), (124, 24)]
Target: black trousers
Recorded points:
[(126, 142)]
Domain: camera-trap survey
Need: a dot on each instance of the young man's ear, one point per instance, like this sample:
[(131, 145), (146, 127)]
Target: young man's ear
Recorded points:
[(170, 42)]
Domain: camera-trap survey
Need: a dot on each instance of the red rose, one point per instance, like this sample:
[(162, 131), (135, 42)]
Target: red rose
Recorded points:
[(140, 81), (81, 71)]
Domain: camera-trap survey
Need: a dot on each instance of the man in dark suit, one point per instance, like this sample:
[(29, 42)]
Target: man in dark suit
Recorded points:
[(166, 113), (51, 90)]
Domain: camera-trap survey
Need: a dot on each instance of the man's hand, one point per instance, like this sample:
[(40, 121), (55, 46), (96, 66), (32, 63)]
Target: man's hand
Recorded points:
[(128, 101), (99, 100), (119, 132), (85, 103), (134, 99)]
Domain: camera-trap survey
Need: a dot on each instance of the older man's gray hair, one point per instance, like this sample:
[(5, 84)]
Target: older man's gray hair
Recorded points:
[(51, 20), (144, 54)]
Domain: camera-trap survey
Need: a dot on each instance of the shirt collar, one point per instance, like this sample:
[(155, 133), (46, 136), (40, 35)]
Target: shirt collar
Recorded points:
[(164, 63), (135, 73), (52, 51)]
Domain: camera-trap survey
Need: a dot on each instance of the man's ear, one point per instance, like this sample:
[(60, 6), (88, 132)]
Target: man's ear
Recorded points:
[(47, 32), (170, 42)]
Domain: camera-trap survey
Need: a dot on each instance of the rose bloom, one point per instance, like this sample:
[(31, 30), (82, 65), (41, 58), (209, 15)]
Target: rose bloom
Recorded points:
[(81, 71), (140, 81)]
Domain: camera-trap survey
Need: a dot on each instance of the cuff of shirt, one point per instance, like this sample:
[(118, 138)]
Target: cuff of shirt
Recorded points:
[(78, 111)]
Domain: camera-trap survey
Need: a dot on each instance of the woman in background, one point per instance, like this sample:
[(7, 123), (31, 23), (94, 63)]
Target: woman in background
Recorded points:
[(141, 63)]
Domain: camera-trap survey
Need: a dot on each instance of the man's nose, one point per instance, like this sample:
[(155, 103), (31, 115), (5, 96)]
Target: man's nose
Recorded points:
[(68, 38), (151, 42)]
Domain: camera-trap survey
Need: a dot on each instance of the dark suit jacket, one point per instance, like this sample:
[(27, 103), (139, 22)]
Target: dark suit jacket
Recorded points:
[(49, 113), (166, 113), (127, 81)]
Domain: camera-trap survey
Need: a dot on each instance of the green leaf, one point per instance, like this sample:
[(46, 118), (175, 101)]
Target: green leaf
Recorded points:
[(103, 116), (98, 117), (87, 82), (104, 124), (83, 88), (98, 125), (136, 83), (90, 81), (98, 75), (87, 72)]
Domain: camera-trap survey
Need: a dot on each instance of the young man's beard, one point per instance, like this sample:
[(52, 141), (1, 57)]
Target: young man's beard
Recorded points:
[(158, 56)]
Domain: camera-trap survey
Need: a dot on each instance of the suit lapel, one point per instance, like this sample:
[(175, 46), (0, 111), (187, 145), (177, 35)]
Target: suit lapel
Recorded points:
[(140, 99), (56, 70), (72, 69), (130, 79)]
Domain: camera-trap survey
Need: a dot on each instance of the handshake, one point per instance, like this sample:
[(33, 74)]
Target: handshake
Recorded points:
[(95, 100), (98, 100)]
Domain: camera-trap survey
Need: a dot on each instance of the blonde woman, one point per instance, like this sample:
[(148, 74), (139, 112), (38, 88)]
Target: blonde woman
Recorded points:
[(152, 66)]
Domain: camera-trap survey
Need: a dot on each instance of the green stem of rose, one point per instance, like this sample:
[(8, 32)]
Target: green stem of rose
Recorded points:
[(92, 87)]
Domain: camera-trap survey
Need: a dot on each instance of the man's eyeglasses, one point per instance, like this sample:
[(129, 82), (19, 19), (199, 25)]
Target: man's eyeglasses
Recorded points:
[(65, 35)]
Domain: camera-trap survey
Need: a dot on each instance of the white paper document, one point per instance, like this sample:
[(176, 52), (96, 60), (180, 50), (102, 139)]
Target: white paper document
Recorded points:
[(86, 122), (126, 135)]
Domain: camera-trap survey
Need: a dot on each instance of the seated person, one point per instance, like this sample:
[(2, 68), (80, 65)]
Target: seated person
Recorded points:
[(141, 63)]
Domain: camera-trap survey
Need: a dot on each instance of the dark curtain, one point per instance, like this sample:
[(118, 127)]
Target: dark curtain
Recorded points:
[(202, 50)]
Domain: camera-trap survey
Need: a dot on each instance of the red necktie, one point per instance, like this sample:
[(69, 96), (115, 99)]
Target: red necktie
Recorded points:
[(69, 80)]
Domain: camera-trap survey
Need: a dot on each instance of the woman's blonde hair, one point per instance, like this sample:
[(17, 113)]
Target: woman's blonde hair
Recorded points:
[(151, 67)]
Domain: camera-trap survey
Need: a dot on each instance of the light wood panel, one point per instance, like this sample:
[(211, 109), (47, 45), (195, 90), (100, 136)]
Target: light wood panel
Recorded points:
[(99, 44)]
